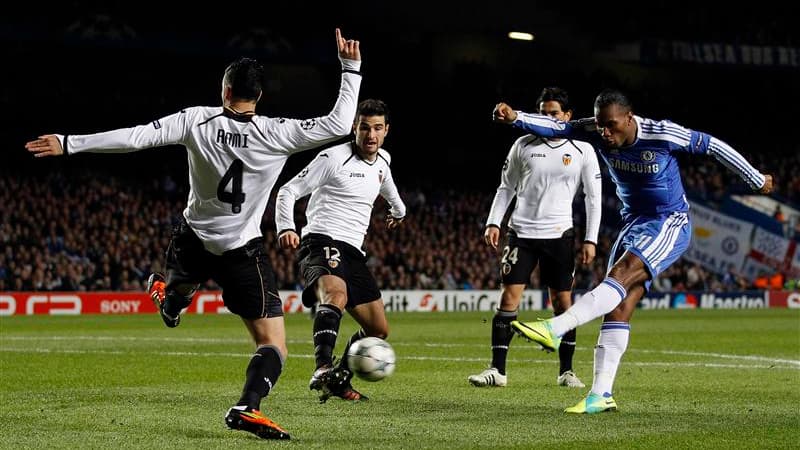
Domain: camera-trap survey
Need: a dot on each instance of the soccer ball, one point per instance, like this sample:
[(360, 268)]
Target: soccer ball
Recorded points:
[(371, 358)]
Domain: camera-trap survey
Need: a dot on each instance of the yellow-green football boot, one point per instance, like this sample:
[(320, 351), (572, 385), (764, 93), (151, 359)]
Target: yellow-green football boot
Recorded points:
[(540, 332), (593, 404)]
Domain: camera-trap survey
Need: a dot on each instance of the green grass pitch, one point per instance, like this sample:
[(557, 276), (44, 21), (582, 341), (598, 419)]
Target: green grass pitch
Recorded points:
[(690, 379)]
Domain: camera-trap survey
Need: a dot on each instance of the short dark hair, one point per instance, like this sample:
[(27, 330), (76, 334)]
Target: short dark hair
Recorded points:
[(612, 97), (373, 107), (554, 94), (244, 77)]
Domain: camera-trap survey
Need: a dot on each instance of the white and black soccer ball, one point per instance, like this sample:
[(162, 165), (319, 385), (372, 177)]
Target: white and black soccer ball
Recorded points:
[(371, 358)]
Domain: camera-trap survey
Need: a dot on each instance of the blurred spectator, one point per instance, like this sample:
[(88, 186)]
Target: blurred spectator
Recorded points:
[(732, 281), (779, 214), (104, 232)]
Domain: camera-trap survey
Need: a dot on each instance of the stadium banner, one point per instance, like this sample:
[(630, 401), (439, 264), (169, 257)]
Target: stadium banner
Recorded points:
[(446, 301), (784, 299), (769, 253), (706, 300), (676, 51), (210, 302), (718, 241)]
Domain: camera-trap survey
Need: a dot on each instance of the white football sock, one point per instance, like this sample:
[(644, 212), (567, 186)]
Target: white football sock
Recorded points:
[(595, 303), (611, 345)]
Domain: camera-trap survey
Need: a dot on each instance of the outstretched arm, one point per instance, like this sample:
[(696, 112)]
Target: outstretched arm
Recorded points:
[(736, 163), (293, 135), (164, 131), (696, 142), (538, 124)]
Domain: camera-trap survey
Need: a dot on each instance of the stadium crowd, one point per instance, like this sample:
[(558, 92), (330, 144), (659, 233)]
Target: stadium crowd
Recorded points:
[(94, 231)]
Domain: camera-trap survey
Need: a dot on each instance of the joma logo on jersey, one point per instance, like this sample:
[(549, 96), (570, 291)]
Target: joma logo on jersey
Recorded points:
[(232, 139), (356, 174)]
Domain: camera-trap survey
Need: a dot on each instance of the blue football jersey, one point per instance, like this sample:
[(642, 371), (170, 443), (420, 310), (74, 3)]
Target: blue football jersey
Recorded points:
[(646, 172)]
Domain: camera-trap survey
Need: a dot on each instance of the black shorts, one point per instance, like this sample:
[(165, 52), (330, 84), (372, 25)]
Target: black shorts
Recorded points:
[(247, 280), (321, 255), (555, 257)]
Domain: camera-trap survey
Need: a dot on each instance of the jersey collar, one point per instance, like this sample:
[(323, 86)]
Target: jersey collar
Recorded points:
[(237, 117)]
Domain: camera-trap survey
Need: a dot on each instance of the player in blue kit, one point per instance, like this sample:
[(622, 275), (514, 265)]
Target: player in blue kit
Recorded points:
[(655, 229)]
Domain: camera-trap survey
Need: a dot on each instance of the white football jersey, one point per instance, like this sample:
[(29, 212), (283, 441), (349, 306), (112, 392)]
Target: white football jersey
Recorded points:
[(234, 160), (545, 175), (343, 189)]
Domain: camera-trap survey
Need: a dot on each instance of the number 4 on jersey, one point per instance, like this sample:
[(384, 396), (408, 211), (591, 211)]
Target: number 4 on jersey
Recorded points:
[(235, 197)]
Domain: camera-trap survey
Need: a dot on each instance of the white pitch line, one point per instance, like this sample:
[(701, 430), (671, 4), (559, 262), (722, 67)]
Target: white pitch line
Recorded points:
[(407, 357), (394, 343), (723, 356)]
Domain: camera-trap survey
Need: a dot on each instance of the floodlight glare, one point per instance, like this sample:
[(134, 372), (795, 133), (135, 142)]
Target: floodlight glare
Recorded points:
[(520, 36)]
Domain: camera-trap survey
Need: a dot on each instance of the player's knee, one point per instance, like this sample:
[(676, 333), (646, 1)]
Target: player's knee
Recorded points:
[(379, 331), (627, 274), (561, 302), (510, 298), (335, 297)]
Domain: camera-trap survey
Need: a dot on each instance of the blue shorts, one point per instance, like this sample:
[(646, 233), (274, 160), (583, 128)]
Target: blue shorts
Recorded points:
[(657, 240)]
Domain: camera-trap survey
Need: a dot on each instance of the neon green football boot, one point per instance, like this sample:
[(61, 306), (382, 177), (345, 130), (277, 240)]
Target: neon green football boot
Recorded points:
[(593, 404), (540, 332)]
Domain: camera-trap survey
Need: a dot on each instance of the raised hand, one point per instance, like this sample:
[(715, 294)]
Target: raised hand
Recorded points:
[(504, 113), (46, 145), (768, 185), (348, 49)]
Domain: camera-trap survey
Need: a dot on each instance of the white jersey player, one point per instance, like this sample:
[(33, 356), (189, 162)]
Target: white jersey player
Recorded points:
[(344, 182), (235, 157), (344, 187), (544, 175)]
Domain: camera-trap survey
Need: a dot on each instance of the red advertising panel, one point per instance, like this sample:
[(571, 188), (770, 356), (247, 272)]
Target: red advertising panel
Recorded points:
[(73, 303), (784, 299)]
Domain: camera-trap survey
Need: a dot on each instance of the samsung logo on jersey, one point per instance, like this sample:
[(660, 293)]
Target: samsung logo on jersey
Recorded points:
[(634, 167)]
